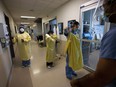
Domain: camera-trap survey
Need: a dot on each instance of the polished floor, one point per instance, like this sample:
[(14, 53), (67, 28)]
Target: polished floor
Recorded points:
[(38, 75)]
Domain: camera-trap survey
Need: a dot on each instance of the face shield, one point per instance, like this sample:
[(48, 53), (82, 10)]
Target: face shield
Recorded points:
[(98, 15), (103, 10)]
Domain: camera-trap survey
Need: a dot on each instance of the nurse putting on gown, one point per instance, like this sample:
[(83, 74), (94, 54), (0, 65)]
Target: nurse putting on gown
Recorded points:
[(73, 50), (23, 39)]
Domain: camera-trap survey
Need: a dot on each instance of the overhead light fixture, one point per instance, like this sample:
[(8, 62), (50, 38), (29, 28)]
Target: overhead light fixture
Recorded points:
[(25, 23), (27, 17), (34, 25)]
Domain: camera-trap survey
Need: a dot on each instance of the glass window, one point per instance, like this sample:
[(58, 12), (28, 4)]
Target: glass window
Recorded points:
[(92, 33)]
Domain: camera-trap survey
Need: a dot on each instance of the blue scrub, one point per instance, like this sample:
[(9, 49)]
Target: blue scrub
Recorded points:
[(108, 47), (69, 70), (86, 47)]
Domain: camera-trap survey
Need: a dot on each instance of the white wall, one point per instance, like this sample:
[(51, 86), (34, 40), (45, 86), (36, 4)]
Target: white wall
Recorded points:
[(68, 11), (5, 57)]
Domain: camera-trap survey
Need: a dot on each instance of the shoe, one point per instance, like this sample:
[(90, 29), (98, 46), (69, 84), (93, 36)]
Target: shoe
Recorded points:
[(49, 67), (52, 65)]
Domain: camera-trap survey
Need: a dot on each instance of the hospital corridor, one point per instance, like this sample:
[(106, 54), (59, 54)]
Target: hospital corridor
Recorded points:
[(57, 43), (38, 75)]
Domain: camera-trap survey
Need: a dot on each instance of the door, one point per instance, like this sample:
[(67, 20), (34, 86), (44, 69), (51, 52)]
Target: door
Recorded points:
[(92, 31), (46, 29), (10, 36)]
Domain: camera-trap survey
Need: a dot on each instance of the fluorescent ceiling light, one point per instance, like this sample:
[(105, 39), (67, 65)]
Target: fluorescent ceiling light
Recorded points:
[(34, 25), (25, 23), (27, 17)]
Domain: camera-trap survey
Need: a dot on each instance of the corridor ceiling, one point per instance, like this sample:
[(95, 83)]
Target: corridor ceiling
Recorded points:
[(37, 8)]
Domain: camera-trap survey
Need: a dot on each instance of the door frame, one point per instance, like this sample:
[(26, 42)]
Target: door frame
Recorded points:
[(106, 26), (7, 21), (46, 29)]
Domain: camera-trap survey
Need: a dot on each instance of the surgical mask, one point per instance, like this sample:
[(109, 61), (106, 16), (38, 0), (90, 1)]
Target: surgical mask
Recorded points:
[(21, 30), (76, 31), (106, 18), (106, 15), (73, 30)]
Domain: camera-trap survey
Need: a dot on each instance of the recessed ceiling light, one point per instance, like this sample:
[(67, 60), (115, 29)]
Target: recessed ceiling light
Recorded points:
[(27, 17), (25, 23)]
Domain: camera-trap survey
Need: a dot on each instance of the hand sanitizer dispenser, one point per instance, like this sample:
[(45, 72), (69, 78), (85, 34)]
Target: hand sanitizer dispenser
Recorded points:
[(4, 37)]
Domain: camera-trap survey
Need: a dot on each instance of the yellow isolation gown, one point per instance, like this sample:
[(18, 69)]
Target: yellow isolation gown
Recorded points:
[(23, 47), (74, 51), (50, 54)]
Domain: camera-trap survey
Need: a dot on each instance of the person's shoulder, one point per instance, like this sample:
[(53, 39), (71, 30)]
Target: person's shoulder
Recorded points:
[(110, 36), (26, 33), (112, 33)]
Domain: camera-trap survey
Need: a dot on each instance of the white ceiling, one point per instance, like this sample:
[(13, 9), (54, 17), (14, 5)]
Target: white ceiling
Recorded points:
[(37, 8)]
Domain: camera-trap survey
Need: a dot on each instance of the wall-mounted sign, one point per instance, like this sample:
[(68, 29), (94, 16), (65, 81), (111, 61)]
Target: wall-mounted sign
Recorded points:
[(60, 27)]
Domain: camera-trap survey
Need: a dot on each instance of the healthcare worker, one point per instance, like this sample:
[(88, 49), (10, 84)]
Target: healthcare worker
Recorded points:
[(105, 72), (74, 54), (23, 39), (50, 54), (86, 46), (86, 34)]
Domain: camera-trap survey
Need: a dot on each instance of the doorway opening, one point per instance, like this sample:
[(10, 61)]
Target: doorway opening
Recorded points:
[(10, 37), (46, 29)]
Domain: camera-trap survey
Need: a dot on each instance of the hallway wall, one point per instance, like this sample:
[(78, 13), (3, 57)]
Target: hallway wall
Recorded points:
[(68, 11), (5, 57)]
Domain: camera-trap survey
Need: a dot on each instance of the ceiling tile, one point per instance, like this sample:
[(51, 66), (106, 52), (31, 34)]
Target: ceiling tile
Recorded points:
[(38, 8)]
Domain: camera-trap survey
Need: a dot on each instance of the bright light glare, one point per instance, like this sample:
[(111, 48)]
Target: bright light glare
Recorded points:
[(36, 72), (27, 17), (25, 23), (31, 58)]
